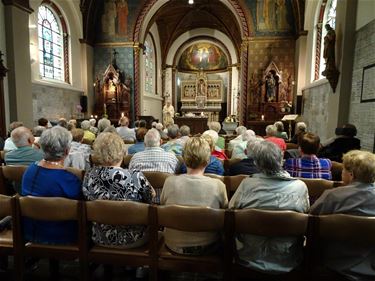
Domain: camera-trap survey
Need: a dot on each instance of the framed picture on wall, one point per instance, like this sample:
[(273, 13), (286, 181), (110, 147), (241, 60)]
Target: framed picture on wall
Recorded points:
[(368, 84)]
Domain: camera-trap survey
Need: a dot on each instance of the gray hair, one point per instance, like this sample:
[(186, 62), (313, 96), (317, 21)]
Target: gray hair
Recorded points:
[(251, 146), (240, 130), (214, 125), (301, 127), (248, 135), (92, 122), (173, 131), (55, 143), (38, 130), (268, 157), (280, 126), (85, 125), (110, 129), (159, 126), (271, 130), (185, 130), (152, 138), (103, 123), (20, 136)]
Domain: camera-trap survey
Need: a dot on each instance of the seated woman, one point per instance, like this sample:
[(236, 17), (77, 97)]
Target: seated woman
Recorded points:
[(357, 198), (47, 178), (271, 189), (193, 189), (108, 181), (215, 166), (280, 131)]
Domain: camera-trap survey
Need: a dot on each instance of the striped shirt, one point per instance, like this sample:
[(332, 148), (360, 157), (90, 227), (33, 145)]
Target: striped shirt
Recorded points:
[(309, 166)]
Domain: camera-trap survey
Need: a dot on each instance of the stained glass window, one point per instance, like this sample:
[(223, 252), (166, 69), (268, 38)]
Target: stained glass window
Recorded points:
[(51, 44), (331, 14), (149, 59)]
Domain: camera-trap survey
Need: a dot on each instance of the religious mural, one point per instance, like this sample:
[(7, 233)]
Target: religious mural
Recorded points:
[(203, 56), (117, 19), (272, 17)]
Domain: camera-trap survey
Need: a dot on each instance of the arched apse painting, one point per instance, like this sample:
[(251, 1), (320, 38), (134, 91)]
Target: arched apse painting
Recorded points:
[(203, 56)]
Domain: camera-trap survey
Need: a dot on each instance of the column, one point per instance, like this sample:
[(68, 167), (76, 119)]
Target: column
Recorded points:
[(87, 65), (18, 59)]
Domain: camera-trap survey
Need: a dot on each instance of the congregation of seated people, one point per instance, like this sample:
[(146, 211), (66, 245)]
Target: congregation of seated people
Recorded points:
[(273, 180)]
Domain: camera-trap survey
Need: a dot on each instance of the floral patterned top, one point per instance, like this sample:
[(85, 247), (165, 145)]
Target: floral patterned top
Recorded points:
[(115, 183)]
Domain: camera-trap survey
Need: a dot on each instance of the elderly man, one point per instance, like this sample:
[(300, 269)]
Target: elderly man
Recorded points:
[(172, 145), (308, 165), (9, 145), (271, 131), (124, 131), (154, 158), (25, 154)]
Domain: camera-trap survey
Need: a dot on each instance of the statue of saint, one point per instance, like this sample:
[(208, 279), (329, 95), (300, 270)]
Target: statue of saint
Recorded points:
[(168, 113), (270, 88), (202, 88), (329, 49)]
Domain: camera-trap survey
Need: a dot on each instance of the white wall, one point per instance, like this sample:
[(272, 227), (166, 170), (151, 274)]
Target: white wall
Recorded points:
[(365, 12), (3, 50)]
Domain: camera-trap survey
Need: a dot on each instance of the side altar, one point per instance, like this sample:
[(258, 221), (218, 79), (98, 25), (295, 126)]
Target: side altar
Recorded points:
[(112, 93), (202, 95), (270, 95)]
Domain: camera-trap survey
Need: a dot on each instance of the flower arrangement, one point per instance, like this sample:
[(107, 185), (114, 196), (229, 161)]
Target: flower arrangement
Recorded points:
[(231, 119)]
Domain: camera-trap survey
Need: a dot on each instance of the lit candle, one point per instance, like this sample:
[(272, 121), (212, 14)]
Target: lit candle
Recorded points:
[(262, 117), (122, 114), (96, 116), (92, 116)]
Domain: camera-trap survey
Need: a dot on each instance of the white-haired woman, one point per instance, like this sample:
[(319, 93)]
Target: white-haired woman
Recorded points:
[(48, 178), (271, 189), (108, 181)]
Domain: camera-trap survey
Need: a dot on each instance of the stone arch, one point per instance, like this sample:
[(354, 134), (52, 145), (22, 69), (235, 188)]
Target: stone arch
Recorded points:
[(150, 9)]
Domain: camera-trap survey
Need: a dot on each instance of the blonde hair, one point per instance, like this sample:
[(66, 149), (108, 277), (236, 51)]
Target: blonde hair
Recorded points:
[(361, 164), (210, 141), (196, 153), (108, 149)]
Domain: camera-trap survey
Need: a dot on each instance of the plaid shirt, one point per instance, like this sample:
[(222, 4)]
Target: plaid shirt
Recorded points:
[(309, 166), (154, 159)]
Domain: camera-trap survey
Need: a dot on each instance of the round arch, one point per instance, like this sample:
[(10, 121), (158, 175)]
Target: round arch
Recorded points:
[(147, 13)]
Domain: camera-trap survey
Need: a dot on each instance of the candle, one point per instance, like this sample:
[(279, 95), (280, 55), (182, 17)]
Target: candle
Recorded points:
[(96, 116), (122, 114), (92, 116), (262, 117)]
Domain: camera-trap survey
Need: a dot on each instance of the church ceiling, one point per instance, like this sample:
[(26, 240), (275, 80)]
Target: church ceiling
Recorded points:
[(177, 17)]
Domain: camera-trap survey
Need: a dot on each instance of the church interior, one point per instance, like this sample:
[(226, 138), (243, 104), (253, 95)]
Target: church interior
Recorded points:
[(248, 62)]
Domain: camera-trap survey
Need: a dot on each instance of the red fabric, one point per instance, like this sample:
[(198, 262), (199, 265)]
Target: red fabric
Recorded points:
[(278, 141), (219, 154)]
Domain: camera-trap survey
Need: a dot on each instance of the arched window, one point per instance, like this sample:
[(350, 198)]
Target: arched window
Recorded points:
[(150, 65), (327, 15), (53, 43)]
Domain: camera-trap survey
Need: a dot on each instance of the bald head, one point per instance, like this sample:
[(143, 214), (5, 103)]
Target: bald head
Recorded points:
[(22, 136)]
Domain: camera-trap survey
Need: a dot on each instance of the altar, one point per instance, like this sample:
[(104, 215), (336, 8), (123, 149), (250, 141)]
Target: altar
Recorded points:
[(197, 124), (202, 95)]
